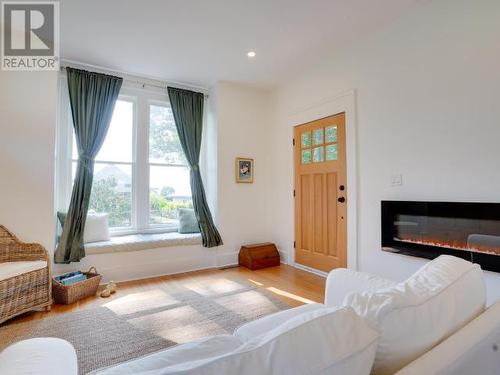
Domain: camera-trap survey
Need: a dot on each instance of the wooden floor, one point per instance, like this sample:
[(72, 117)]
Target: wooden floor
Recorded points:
[(293, 286)]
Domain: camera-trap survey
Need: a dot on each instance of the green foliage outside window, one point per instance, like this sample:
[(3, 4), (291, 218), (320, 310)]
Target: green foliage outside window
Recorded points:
[(164, 209), (105, 198)]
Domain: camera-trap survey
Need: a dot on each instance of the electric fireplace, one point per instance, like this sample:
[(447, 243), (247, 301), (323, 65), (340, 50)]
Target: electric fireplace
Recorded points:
[(428, 229)]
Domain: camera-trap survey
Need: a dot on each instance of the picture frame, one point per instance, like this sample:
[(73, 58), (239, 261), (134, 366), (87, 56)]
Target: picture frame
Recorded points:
[(244, 169)]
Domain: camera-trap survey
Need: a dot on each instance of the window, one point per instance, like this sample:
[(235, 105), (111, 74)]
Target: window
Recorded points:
[(169, 187), (141, 177), (112, 186)]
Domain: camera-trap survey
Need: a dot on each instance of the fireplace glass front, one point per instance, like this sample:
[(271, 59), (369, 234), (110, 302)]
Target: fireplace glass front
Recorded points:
[(429, 229)]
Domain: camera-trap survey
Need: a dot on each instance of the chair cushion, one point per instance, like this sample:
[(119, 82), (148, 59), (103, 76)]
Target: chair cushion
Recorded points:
[(40, 356), (267, 323), (414, 316), (11, 269)]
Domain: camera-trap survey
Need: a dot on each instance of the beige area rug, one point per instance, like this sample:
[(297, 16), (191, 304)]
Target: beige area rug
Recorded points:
[(137, 324)]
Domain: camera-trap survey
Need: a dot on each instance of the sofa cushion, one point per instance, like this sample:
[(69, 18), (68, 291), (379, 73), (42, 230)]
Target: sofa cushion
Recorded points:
[(176, 359), (40, 356), (265, 324), (12, 269), (417, 314)]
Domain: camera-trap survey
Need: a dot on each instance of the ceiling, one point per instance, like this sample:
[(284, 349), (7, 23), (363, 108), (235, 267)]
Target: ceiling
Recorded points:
[(204, 41)]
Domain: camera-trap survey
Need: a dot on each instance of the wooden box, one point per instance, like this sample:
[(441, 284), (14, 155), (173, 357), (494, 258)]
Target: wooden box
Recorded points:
[(259, 256)]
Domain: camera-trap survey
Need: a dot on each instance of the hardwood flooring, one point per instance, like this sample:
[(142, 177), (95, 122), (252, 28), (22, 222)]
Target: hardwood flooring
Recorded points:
[(293, 286)]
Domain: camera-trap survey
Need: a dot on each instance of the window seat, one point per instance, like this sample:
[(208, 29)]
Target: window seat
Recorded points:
[(136, 242)]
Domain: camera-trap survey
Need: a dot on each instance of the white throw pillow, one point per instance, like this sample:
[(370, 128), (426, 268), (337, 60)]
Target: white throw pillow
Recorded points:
[(414, 316), (96, 228)]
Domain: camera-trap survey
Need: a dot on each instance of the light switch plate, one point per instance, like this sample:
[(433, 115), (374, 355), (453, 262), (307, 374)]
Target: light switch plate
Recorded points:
[(396, 180)]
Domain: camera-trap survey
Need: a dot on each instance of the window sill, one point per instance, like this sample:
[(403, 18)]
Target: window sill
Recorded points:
[(137, 242)]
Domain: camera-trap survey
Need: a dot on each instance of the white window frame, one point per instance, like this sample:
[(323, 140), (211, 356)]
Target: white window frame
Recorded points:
[(142, 99)]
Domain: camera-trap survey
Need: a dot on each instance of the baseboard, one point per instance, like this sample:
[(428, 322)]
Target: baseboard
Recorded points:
[(228, 259)]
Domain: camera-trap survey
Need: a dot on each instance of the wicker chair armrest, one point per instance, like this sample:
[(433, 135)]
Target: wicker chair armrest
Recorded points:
[(17, 252)]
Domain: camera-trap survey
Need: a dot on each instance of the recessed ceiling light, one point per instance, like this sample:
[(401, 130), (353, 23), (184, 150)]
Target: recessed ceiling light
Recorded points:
[(251, 54)]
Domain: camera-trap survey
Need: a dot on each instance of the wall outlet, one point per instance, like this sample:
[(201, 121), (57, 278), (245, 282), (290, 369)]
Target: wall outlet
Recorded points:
[(396, 180)]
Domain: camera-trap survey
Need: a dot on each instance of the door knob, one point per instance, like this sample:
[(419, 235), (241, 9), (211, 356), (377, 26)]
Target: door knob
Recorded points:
[(341, 199), (342, 187)]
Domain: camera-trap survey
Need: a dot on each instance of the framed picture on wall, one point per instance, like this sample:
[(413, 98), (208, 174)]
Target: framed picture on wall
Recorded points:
[(244, 170)]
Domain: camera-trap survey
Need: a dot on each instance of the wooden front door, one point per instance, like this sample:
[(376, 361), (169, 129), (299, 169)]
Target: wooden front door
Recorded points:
[(321, 193)]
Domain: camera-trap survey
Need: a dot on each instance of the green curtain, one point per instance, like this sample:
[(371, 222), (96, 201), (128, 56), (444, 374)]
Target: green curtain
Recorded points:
[(187, 107), (92, 97)]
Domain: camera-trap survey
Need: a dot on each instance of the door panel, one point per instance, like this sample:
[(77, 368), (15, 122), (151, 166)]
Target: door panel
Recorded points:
[(320, 205)]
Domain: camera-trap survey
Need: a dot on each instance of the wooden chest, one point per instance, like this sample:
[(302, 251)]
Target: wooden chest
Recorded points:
[(257, 256)]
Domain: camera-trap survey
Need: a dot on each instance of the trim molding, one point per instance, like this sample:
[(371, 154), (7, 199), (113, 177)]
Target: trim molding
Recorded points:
[(344, 102)]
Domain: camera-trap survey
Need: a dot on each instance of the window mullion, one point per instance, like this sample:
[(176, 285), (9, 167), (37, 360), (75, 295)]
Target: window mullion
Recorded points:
[(142, 166)]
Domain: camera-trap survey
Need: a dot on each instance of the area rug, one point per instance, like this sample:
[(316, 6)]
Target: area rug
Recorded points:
[(141, 323)]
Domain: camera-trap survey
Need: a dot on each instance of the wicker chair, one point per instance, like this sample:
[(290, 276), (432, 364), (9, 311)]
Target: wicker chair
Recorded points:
[(26, 291)]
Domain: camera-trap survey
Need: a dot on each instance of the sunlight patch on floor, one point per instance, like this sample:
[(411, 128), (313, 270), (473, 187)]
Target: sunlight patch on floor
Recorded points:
[(142, 301), (255, 282), (216, 287), (180, 324), (289, 295), (244, 303)]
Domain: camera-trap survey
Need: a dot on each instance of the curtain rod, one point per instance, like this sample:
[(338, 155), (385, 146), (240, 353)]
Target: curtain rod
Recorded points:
[(143, 84)]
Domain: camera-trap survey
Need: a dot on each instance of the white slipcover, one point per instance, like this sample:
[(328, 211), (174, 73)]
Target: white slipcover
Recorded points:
[(322, 341), (178, 359), (412, 317), (475, 349), (341, 282), (267, 323), (40, 356)]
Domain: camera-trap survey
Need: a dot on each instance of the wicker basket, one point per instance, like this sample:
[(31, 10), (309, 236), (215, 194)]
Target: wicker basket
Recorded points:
[(67, 294)]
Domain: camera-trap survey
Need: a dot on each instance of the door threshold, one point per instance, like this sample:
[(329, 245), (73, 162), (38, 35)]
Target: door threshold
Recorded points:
[(310, 270)]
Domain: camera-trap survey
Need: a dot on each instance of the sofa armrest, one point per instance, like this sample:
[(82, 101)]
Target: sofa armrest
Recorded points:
[(342, 281), (471, 350)]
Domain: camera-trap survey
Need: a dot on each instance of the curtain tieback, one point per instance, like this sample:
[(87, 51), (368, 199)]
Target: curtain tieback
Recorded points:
[(195, 167), (85, 159)]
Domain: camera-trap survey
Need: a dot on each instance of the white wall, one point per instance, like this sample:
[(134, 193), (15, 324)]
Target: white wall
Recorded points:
[(28, 116), (237, 119), (27, 136), (428, 107), (243, 131)]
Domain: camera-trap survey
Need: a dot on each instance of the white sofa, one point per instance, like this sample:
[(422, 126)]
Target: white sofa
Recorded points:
[(433, 323)]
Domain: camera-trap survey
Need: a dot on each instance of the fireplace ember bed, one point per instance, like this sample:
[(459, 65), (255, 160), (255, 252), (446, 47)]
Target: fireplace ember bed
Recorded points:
[(428, 229)]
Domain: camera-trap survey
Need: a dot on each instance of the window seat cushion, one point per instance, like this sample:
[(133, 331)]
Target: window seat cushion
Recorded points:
[(136, 242)]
